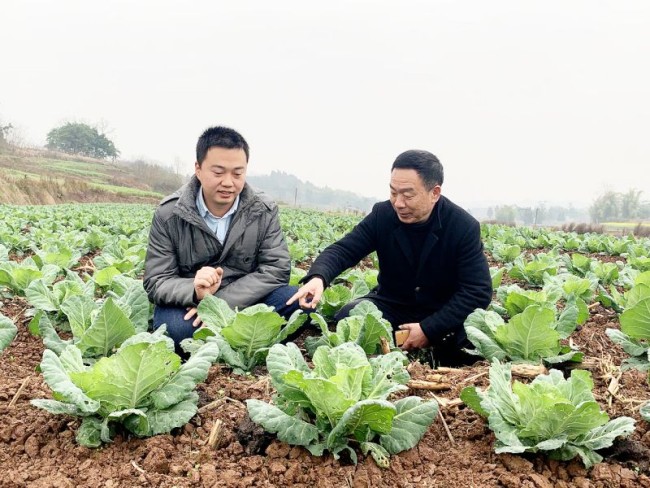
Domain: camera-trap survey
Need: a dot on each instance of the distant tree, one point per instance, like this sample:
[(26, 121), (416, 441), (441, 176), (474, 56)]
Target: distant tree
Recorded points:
[(606, 207), (630, 204), (644, 210), (540, 214), (4, 132), (159, 178), (180, 165), (78, 138), (526, 215), (505, 214), (558, 214)]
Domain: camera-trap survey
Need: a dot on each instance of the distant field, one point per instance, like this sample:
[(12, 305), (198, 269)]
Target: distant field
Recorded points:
[(15, 172), (77, 168), (624, 225), (621, 228), (127, 191), (627, 224), (43, 177)]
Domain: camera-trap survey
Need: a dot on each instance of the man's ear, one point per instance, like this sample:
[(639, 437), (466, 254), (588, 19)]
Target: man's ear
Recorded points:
[(197, 168), (436, 192)]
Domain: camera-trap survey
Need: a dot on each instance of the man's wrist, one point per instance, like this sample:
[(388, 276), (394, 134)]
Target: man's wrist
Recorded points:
[(320, 278), (308, 278)]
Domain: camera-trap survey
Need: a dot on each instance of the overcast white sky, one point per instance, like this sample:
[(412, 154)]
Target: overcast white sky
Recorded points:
[(523, 101)]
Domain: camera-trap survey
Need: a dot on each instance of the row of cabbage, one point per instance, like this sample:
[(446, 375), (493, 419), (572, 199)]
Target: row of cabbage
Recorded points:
[(89, 227)]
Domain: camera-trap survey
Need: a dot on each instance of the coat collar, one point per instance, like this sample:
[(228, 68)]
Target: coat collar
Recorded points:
[(186, 205)]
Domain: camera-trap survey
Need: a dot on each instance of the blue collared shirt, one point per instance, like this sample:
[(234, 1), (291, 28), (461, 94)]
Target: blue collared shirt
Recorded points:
[(218, 225)]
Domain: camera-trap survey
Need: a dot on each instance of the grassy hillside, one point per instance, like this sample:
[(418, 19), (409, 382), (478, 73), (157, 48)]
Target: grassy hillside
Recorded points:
[(32, 176)]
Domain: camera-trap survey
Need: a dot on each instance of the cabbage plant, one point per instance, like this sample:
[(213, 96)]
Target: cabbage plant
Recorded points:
[(342, 400), (571, 287), (605, 273), (98, 327), (364, 326), (530, 337), (352, 275), (515, 299), (534, 271), (552, 415), (143, 387), (335, 297), (577, 264), (634, 336), (243, 336), (58, 253), (49, 297), (505, 253), (496, 274), (297, 274), (17, 276)]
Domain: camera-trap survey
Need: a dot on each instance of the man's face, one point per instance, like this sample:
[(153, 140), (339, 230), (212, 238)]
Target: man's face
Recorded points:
[(411, 200), (222, 176)]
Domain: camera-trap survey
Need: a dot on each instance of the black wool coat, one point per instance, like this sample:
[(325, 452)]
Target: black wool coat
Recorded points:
[(450, 280)]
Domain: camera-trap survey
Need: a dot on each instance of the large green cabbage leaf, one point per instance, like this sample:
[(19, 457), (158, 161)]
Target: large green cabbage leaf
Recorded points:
[(634, 335), (8, 331)]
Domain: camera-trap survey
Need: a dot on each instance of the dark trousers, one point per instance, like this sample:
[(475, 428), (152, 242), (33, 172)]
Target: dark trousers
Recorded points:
[(178, 328), (447, 353)]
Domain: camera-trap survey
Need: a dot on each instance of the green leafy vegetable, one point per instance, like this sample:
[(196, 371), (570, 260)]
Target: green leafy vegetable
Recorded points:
[(634, 336), (552, 415), (8, 331), (97, 330), (143, 387), (534, 271), (244, 337), (336, 296), (531, 336), (364, 326), (343, 398), (18, 276)]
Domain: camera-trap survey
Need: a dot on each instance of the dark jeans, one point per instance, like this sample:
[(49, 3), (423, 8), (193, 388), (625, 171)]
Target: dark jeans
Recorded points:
[(447, 353), (178, 328)]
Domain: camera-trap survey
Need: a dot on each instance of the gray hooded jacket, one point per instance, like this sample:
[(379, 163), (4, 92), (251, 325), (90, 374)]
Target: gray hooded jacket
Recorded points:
[(254, 256)]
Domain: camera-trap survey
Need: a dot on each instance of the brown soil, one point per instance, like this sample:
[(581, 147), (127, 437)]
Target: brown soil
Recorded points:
[(38, 449)]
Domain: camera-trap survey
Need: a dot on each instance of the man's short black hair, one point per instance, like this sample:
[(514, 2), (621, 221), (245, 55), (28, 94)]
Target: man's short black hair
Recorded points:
[(219, 137), (424, 163)]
